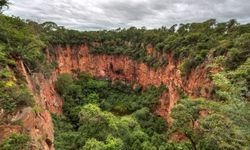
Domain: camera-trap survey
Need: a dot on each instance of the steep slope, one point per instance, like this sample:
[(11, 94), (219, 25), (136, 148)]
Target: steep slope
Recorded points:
[(76, 58), (73, 59), (124, 55), (39, 121)]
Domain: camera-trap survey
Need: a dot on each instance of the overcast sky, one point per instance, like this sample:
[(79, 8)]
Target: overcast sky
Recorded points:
[(109, 14)]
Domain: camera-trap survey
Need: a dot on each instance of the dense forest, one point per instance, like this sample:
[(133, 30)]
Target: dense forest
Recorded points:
[(101, 115), (106, 116)]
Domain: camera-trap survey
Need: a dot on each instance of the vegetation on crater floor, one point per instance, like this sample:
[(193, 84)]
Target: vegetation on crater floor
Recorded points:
[(99, 115)]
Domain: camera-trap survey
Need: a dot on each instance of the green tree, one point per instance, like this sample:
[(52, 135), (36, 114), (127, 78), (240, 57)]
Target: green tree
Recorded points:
[(93, 144), (219, 132), (3, 3), (15, 142), (186, 114), (105, 122), (64, 81), (65, 136), (111, 143), (211, 125)]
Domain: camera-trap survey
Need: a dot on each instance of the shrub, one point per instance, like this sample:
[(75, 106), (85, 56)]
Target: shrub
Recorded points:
[(16, 142), (14, 97), (186, 66), (64, 81)]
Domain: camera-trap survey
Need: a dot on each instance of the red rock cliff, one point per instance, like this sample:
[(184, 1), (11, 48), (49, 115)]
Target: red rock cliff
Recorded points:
[(77, 58), (71, 59), (38, 123)]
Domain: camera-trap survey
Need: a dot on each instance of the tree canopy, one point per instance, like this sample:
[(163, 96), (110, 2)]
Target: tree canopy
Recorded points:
[(100, 114)]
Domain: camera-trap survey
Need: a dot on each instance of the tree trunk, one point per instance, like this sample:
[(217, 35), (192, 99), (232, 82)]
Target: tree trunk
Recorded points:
[(192, 142)]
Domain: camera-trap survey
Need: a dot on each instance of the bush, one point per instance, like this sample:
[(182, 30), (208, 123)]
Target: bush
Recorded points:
[(186, 66), (64, 81), (14, 97), (16, 142)]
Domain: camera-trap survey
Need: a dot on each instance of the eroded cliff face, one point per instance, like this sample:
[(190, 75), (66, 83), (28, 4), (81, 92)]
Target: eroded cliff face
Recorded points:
[(75, 59), (37, 121), (72, 59)]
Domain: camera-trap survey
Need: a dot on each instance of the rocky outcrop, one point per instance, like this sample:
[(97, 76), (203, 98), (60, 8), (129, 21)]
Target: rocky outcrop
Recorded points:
[(37, 121), (8, 130), (39, 127)]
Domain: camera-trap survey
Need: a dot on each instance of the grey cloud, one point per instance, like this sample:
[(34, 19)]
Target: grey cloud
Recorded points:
[(108, 14), (128, 10)]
